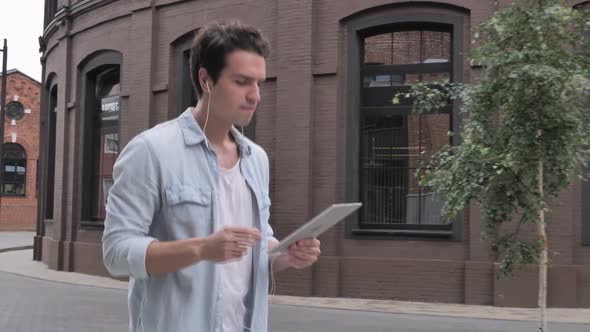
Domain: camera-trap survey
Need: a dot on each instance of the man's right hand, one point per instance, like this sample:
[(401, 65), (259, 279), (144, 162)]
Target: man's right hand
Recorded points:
[(228, 244)]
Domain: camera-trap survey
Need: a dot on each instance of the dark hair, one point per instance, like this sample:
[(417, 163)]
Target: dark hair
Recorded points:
[(215, 41)]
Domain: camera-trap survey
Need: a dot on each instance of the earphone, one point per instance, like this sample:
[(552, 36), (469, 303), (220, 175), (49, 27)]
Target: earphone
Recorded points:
[(208, 105)]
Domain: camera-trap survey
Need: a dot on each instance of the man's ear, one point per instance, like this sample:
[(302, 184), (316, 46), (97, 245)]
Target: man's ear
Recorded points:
[(203, 79)]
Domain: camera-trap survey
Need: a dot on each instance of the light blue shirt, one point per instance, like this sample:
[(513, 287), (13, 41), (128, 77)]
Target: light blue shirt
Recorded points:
[(165, 188)]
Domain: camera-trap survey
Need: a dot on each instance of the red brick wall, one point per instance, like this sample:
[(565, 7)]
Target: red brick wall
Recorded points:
[(20, 213)]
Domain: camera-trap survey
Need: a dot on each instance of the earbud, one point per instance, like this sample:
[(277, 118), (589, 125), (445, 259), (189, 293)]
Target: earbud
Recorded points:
[(208, 88)]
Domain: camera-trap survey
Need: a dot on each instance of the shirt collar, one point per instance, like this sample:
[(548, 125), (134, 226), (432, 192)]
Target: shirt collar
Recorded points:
[(193, 134)]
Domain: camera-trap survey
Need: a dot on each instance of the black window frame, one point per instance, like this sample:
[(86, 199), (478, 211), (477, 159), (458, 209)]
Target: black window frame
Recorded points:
[(16, 162), (88, 72), (49, 185), (357, 29)]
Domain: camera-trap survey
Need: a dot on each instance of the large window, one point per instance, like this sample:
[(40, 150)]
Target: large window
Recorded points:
[(50, 11), (14, 168), (50, 148), (105, 138), (101, 79), (393, 141), (387, 143)]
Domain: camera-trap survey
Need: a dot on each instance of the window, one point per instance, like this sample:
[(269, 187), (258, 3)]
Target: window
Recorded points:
[(15, 110), (50, 11), (105, 137), (387, 143), (50, 148), (394, 141), (14, 168), (101, 85)]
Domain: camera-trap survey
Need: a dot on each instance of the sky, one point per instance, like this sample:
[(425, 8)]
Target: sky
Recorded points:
[(21, 23)]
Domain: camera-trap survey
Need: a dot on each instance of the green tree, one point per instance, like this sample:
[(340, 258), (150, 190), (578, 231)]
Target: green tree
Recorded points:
[(525, 134)]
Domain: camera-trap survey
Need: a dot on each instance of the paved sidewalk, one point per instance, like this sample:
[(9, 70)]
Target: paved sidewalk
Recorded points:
[(16, 241), (21, 263)]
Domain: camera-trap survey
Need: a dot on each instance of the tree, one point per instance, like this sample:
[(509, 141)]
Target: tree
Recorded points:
[(525, 134)]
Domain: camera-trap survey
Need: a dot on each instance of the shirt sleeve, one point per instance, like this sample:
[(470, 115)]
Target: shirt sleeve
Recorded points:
[(132, 203), (265, 212)]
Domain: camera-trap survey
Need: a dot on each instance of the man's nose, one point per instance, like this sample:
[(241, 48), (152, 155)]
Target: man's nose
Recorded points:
[(254, 95)]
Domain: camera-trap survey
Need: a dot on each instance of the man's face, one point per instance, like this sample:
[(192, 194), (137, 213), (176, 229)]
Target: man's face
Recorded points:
[(236, 94)]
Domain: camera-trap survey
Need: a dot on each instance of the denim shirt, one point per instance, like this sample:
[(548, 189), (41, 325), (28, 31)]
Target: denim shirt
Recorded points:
[(165, 188)]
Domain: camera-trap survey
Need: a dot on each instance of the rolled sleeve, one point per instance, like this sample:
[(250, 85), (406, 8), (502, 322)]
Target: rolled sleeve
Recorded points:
[(136, 256), (133, 202)]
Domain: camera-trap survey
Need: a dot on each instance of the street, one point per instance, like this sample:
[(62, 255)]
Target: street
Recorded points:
[(31, 305)]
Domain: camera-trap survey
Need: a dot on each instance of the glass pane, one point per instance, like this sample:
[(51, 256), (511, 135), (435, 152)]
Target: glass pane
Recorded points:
[(107, 184), (105, 157), (10, 168), (9, 188), (378, 50), (435, 77), (383, 170), (110, 104), (374, 81), (427, 134), (111, 143), (392, 149), (389, 80), (436, 47), (406, 47)]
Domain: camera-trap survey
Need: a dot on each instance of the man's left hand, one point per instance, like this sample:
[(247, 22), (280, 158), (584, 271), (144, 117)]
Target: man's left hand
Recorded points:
[(303, 253)]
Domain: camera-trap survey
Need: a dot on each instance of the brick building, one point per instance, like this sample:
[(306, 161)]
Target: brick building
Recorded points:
[(112, 69), (18, 206)]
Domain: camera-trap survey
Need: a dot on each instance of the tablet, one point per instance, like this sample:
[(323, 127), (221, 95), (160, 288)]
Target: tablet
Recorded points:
[(319, 224)]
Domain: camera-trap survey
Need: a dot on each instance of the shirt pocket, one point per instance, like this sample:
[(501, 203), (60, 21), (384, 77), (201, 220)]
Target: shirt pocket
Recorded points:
[(189, 211)]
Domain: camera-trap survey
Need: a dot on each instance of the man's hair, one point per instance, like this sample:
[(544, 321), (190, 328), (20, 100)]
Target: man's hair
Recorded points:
[(215, 41)]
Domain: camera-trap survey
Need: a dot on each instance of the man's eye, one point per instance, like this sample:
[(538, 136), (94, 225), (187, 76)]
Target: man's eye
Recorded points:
[(241, 82)]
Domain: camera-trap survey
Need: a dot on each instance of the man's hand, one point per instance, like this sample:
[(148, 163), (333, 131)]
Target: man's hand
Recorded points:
[(299, 255), (229, 243)]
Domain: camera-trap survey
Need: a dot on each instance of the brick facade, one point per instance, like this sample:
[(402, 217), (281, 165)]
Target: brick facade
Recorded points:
[(303, 123), (20, 212)]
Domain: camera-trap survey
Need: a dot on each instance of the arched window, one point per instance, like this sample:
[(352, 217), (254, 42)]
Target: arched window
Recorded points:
[(387, 143), (50, 152), (394, 141), (101, 77), (14, 166)]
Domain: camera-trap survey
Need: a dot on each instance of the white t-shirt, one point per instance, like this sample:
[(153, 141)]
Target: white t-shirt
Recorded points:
[(235, 209)]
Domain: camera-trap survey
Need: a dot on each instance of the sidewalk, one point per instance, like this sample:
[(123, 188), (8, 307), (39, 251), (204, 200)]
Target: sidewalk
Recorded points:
[(10, 241), (20, 262)]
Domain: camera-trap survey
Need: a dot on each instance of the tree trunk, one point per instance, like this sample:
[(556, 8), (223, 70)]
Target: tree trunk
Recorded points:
[(543, 260)]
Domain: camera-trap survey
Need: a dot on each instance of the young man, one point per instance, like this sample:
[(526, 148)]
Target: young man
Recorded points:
[(187, 216)]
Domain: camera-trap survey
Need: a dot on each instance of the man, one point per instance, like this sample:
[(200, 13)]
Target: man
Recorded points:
[(187, 216)]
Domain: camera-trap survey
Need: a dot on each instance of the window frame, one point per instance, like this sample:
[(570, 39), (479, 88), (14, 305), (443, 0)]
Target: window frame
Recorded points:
[(89, 71), (357, 29), (19, 106), (14, 160)]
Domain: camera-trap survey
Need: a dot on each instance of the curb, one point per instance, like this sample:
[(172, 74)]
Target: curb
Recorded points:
[(15, 248)]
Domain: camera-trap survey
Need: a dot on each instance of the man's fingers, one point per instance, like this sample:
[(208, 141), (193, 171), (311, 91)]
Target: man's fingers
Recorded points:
[(301, 255), (243, 231)]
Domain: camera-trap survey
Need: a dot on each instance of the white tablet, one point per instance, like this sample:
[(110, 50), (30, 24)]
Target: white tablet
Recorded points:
[(319, 224)]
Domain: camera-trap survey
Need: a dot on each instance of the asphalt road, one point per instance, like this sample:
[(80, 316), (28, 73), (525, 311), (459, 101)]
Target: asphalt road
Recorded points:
[(33, 305)]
